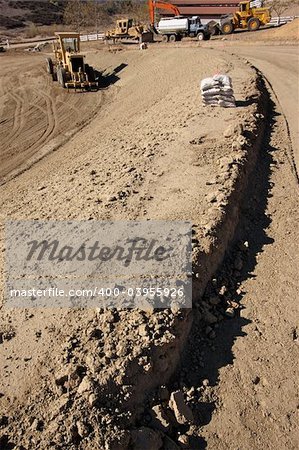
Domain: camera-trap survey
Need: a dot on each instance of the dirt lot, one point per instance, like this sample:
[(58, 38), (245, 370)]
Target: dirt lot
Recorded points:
[(273, 35), (36, 116), (147, 149)]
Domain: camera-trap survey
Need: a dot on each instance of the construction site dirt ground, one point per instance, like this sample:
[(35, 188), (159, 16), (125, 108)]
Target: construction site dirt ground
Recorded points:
[(143, 147)]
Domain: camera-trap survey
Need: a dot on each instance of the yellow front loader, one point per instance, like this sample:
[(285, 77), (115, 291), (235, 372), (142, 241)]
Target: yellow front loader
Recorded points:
[(68, 66), (247, 17)]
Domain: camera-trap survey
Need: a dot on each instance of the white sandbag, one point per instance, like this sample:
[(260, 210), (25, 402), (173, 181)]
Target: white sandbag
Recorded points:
[(224, 80), (223, 102), (226, 104), (212, 92), (218, 91), (218, 97), (208, 83), (226, 98), (209, 101), (227, 88)]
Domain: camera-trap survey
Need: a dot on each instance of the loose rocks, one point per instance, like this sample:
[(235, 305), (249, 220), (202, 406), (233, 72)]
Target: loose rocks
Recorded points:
[(182, 412), (233, 130), (160, 420)]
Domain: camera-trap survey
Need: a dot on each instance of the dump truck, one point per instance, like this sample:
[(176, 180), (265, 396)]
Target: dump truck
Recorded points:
[(68, 66), (249, 16), (175, 28)]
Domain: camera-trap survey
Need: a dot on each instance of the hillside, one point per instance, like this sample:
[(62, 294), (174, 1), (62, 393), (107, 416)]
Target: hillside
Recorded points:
[(17, 14)]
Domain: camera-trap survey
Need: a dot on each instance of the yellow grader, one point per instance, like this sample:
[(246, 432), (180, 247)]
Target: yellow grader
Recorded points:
[(69, 67)]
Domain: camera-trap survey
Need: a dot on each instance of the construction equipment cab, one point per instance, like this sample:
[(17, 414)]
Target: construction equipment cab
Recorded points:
[(250, 15), (68, 66)]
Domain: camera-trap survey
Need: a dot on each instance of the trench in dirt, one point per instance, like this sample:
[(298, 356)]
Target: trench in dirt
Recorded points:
[(210, 345)]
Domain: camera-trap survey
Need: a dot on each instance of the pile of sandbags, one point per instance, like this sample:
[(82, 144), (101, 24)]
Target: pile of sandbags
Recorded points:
[(218, 91)]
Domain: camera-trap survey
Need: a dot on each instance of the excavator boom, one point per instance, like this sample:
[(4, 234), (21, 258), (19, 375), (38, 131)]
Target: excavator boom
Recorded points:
[(153, 5)]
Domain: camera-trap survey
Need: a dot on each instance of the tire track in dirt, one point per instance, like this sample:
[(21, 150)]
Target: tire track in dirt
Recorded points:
[(34, 111), (18, 117), (51, 121), (47, 127), (21, 112), (12, 117)]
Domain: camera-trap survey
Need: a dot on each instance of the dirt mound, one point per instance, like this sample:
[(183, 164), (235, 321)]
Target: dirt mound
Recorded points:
[(283, 33), (151, 152), (289, 31)]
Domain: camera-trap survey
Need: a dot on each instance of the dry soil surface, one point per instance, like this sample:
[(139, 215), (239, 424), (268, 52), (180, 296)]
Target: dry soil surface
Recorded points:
[(253, 366), (36, 116), (148, 153), (288, 32), (280, 66)]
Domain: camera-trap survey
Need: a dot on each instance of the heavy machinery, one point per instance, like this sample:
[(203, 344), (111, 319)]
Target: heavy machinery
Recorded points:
[(69, 67), (128, 29), (174, 28), (153, 5), (247, 17)]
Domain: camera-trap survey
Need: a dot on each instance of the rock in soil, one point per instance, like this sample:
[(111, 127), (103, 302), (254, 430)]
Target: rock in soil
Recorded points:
[(182, 412)]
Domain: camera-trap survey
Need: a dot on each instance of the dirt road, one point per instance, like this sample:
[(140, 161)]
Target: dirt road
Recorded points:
[(280, 65), (252, 369)]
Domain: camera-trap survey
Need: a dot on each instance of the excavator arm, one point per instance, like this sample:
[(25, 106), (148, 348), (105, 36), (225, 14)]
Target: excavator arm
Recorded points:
[(153, 5)]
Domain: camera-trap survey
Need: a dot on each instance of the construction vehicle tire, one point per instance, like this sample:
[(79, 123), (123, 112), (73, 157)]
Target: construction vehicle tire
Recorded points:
[(61, 76), (253, 24), (172, 38), (164, 38), (200, 37), (227, 27), (215, 31), (49, 66), (90, 73)]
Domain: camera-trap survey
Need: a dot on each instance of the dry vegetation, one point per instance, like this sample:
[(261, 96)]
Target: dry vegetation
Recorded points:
[(42, 17)]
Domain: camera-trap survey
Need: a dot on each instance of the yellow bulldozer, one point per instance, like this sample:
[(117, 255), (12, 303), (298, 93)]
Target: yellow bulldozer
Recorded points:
[(68, 66), (129, 29), (247, 17)]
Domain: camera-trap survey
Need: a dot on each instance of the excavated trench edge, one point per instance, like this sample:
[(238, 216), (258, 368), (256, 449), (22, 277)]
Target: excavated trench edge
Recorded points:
[(220, 237), (224, 232), (290, 153), (207, 263)]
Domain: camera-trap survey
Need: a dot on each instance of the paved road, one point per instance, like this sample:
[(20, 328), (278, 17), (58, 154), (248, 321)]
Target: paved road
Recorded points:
[(280, 65)]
